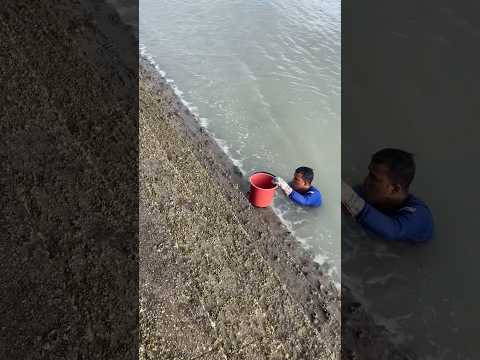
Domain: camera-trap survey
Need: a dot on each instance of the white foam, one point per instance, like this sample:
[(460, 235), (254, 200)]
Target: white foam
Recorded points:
[(299, 222), (280, 212), (380, 280), (226, 149), (393, 325), (171, 82), (203, 122), (321, 259), (149, 58)]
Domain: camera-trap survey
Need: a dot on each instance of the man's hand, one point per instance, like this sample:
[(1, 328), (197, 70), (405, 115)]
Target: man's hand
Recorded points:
[(283, 185), (351, 201)]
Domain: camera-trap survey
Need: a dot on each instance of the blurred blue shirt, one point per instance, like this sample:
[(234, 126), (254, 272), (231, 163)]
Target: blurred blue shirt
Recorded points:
[(413, 222)]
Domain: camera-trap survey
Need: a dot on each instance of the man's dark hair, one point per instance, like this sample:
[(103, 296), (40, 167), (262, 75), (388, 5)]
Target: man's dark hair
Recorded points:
[(401, 165), (307, 173)]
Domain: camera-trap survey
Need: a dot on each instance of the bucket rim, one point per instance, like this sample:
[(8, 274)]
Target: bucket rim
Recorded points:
[(261, 172)]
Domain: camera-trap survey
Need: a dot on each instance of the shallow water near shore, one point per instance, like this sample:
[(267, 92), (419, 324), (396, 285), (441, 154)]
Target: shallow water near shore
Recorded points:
[(264, 79)]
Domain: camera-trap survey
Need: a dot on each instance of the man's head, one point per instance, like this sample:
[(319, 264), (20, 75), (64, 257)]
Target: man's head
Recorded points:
[(302, 179), (391, 172)]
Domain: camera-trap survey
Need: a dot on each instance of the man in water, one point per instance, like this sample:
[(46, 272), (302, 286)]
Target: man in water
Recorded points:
[(300, 189), (384, 204)]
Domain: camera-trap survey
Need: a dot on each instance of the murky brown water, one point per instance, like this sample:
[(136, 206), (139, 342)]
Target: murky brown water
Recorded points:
[(412, 87)]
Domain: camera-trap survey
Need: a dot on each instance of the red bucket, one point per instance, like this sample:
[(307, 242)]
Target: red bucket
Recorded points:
[(262, 189)]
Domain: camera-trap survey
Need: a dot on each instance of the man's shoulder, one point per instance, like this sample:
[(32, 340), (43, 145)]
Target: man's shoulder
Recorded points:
[(415, 205), (313, 190), (421, 218)]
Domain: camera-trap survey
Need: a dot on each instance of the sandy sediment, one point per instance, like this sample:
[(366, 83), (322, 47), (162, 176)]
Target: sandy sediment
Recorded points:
[(69, 163)]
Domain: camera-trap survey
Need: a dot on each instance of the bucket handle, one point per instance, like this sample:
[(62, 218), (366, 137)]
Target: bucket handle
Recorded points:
[(265, 172)]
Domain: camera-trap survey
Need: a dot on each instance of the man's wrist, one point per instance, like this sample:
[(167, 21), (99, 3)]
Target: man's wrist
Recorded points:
[(285, 187), (351, 200)]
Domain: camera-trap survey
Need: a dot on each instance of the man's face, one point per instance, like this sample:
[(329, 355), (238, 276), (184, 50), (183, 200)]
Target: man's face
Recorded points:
[(377, 186), (299, 184)]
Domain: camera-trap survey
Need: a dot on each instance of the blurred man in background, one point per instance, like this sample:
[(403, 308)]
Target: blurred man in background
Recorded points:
[(384, 204)]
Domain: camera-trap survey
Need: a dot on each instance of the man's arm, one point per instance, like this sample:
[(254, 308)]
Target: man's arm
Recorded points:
[(308, 199), (406, 226)]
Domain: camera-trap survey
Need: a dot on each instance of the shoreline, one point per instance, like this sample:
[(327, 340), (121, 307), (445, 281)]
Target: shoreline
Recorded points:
[(296, 275), (225, 164), (232, 180), (238, 176)]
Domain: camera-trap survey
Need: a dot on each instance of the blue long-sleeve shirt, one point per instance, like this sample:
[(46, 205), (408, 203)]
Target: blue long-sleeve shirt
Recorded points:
[(413, 222), (312, 197)]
